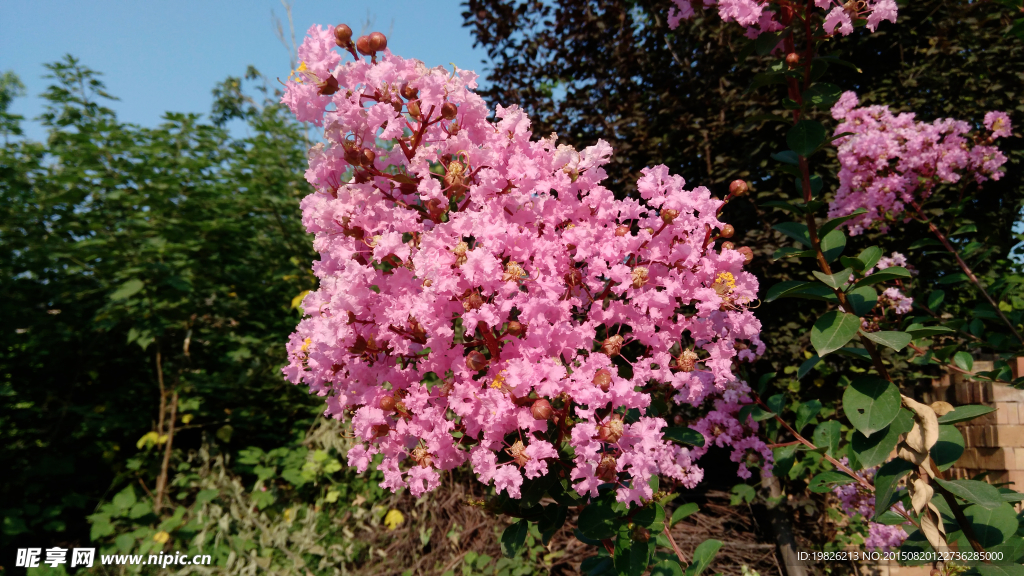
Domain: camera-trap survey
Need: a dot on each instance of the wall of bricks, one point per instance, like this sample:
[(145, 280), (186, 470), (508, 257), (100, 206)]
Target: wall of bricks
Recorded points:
[(994, 442)]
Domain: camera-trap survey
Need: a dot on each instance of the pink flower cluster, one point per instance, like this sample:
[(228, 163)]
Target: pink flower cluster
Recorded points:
[(758, 18), (892, 161), (484, 299), (853, 502), (721, 427)]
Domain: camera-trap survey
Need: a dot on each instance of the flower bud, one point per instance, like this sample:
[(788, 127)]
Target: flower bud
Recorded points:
[(363, 45), (611, 430), (603, 379), (641, 534), (738, 188), (449, 111), (476, 361), (414, 108), (377, 42), (342, 35), (366, 157), (380, 430), (679, 420), (330, 86), (408, 92), (727, 231), (606, 469), (473, 302), (639, 276), (792, 59), (541, 410), (387, 403), (668, 216), (612, 346), (516, 328), (728, 246), (454, 128), (748, 254), (622, 230)]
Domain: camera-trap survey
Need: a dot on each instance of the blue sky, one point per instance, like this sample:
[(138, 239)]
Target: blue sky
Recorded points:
[(159, 55)]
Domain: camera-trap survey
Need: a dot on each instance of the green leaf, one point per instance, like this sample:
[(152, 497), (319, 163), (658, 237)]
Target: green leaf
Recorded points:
[(833, 330), (925, 332), (834, 224), (684, 435), (871, 403), (787, 157), (805, 137), (935, 298), (783, 457), (997, 569), (807, 412), (921, 243), (795, 230), (833, 244), (552, 521), (887, 481), (703, 556), (992, 526), (776, 403), (965, 229), (765, 43), (965, 413), (827, 435), (683, 511), (822, 94), (125, 499), (874, 449), (949, 448), (975, 491), (127, 290), (807, 366), (833, 281), (513, 538), (787, 251), (598, 520), (891, 273), (639, 557), (766, 79), (956, 278), (964, 361), (870, 256), (667, 567), (862, 299), (895, 340), (784, 288), (823, 482), (840, 62)]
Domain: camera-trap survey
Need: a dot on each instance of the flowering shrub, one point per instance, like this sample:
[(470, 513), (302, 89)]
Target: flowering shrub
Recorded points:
[(891, 162), (483, 297), (761, 17)]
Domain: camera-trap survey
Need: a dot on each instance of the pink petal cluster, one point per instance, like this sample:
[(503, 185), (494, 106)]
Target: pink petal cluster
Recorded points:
[(891, 161), (852, 501), (757, 18), (477, 288), (721, 427)]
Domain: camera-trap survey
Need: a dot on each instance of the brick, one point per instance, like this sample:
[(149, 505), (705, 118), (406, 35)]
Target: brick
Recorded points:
[(989, 458), (1017, 478), (1002, 393), (1017, 366), (1008, 435)]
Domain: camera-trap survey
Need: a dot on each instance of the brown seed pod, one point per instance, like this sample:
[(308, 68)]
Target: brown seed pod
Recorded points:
[(380, 430), (603, 379), (342, 35), (641, 534), (611, 346), (408, 92), (473, 302), (606, 469), (449, 111), (363, 45), (686, 361), (728, 246), (727, 231), (414, 108), (738, 188), (541, 410), (793, 59), (516, 328), (476, 361), (377, 42), (387, 403), (622, 230), (366, 157), (668, 216), (330, 86), (611, 430)]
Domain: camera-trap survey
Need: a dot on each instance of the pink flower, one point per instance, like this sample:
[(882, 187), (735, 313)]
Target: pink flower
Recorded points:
[(998, 123)]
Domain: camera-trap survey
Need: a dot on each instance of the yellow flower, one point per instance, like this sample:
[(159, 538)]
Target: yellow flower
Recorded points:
[(161, 537), (393, 519)]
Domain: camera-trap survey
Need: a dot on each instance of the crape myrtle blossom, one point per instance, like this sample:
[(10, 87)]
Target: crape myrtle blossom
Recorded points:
[(890, 161), (483, 299), (853, 502), (759, 17)]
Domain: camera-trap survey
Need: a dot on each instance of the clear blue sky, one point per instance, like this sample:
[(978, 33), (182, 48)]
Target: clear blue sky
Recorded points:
[(159, 55)]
